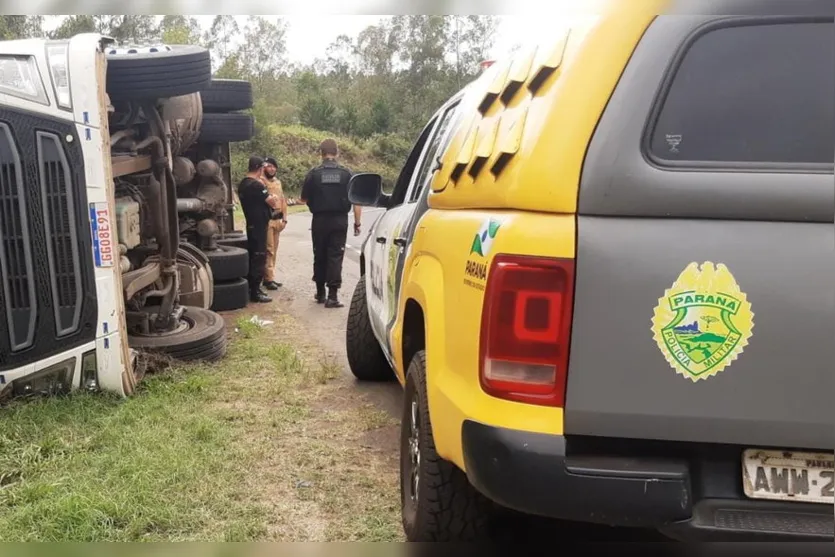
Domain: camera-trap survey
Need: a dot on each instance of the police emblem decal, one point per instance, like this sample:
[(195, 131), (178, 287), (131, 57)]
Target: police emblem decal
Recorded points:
[(703, 322)]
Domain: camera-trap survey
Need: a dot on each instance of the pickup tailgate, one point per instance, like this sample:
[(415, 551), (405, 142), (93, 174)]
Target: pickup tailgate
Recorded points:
[(703, 331)]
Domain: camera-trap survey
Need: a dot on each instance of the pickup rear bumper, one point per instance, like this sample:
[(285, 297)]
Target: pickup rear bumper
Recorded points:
[(531, 473)]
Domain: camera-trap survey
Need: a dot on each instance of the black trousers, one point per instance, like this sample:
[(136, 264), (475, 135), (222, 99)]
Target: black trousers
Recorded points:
[(329, 233), (256, 243)]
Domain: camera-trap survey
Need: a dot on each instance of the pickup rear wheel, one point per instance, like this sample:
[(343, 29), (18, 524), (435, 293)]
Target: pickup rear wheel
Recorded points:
[(157, 72), (199, 336), (365, 357), (438, 504)]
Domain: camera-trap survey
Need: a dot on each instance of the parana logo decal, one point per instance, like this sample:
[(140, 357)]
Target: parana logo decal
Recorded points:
[(703, 322), (475, 271), (483, 241)]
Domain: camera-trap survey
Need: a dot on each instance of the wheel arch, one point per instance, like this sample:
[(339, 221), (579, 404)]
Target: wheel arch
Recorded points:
[(414, 331), (423, 308)]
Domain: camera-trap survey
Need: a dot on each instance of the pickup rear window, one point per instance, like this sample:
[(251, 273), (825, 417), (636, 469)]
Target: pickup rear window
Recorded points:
[(753, 93)]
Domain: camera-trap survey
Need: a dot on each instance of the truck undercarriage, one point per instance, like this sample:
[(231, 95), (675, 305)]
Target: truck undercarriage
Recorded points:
[(152, 228)]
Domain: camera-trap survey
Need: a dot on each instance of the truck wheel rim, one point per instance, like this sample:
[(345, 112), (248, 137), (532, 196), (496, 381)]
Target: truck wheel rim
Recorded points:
[(414, 451), (182, 326)]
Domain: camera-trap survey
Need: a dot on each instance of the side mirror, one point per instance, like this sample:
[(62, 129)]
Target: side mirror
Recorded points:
[(365, 190)]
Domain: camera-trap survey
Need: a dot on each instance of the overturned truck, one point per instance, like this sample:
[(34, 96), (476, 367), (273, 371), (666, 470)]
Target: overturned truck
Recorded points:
[(115, 201)]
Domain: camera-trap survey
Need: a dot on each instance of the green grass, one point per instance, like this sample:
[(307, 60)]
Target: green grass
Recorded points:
[(202, 453)]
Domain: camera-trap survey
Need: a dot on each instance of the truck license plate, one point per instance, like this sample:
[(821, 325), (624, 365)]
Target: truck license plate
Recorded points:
[(789, 476), (104, 237)]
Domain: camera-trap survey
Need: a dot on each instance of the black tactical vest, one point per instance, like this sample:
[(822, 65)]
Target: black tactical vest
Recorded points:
[(331, 183)]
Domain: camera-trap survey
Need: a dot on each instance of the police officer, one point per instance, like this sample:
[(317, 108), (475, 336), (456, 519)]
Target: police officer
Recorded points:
[(258, 206), (325, 191), (277, 224)]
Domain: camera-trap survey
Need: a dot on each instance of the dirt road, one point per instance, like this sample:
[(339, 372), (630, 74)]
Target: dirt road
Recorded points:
[(325, 326)]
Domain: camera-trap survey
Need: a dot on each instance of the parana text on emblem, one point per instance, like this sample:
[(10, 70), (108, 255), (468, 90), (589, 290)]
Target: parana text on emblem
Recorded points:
[(703, 322)]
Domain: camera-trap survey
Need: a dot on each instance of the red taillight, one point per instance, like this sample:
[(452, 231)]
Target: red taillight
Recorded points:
[(526, 329)]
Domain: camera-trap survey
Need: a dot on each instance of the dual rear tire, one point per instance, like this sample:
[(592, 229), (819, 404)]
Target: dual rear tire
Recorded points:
[(230, 265)]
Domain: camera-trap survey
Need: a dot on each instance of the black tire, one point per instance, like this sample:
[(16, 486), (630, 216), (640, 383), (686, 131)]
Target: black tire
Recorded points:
[(231, 295), (203, 338), (365, 357), (447, 507), (226, 128), (164, 72), (227, 95), (228, 263), (234, 239)]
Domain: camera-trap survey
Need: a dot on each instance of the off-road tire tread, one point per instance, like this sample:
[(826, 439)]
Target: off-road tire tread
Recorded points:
[(365, 356), (234, 241), (231, 295), (226, 128), (228, 263), (453, 511), (227, 95), (185, 70)]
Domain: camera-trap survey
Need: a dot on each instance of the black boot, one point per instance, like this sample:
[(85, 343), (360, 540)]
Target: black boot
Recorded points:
[(320, 294), (333, 300), (258, 297), (272, 285)]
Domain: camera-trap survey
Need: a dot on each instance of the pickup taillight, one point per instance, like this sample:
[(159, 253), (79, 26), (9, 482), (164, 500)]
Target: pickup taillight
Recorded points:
[(526, 329)]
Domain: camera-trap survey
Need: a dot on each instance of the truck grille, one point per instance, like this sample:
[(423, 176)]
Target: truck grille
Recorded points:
[(47, 275), (62, 241), (18, 292)]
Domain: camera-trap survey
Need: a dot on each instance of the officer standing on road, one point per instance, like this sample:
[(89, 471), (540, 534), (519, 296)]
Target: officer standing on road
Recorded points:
[(258, 206), (278, 222), (325, 191)]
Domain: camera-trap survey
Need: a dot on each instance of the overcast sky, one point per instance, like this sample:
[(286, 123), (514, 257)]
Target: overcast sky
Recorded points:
[(309, 36)]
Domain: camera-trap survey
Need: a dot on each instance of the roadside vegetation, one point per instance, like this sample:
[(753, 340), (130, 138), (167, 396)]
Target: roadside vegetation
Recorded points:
[(373, 92), (260, 447)]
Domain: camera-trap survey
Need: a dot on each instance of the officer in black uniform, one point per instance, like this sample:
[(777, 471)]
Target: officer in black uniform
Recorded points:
[(325, 191), (258, 206)]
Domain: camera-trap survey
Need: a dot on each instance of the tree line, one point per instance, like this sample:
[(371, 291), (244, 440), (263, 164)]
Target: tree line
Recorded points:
[(387, 81)]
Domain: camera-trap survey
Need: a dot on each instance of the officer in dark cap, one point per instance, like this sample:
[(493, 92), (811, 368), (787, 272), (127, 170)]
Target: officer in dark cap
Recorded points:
[(325, 191), (258, 206)]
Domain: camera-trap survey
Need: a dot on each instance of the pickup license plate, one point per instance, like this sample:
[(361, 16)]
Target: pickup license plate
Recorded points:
[(789, 476)]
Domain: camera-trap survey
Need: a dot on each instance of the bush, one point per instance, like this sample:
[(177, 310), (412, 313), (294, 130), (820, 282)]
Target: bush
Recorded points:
[(297, 150), (389, 149)]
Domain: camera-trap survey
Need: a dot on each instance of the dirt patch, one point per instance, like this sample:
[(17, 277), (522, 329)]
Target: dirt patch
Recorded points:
[(321, 442)]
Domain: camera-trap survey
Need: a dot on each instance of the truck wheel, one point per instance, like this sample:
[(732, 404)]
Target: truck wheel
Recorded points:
[(228, 263), (365, 357), (233, 239), (200, 336), (227, 95), (231, 295), (226, 128), (160, 72), (438, 503)]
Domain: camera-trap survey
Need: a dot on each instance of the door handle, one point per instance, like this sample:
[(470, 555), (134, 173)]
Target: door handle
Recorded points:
[(381, 239), (400, 242)]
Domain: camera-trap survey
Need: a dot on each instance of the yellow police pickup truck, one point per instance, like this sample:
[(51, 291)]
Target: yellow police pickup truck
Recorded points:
[(604, 278)]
